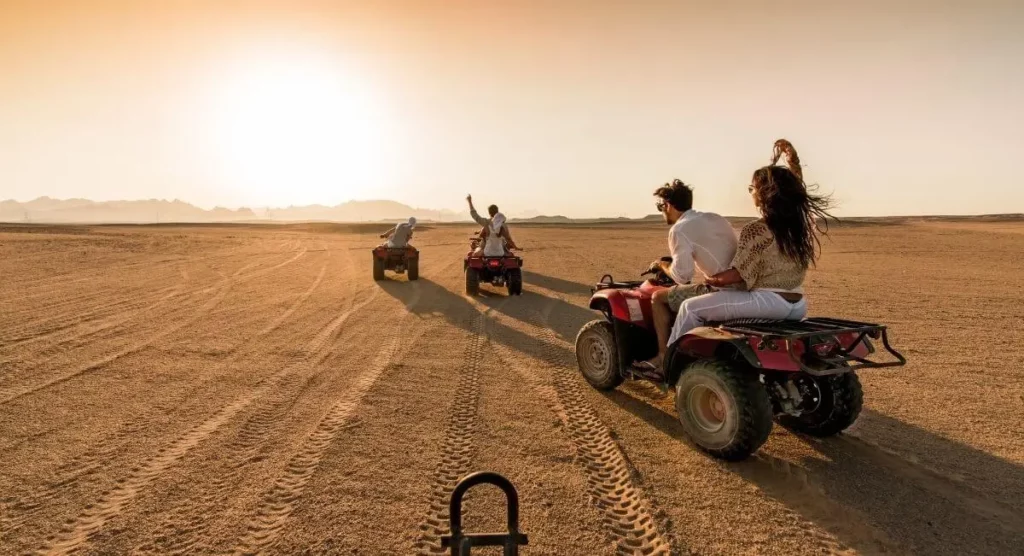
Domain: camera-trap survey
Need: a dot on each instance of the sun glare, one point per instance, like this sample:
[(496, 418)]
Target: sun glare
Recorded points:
[(294, 128)]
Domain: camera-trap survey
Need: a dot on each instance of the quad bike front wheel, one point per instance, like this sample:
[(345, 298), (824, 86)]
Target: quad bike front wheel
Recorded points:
[(378, 268), (723, 409), (830, 405), (597, 355), (472, 281), (515, 282)]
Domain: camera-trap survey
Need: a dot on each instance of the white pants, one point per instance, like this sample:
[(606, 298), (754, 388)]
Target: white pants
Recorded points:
[(734, 304)]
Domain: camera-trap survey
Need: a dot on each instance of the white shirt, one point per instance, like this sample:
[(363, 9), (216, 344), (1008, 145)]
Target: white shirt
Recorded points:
[(400, 238), (494, 245), (702, 240)]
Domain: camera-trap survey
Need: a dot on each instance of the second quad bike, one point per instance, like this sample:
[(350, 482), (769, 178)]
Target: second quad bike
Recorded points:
[(505, 270), (396, 259), (732, 379)]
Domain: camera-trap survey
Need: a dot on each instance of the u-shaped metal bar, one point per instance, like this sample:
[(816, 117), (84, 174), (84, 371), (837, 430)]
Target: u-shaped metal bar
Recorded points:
[(461, 543)]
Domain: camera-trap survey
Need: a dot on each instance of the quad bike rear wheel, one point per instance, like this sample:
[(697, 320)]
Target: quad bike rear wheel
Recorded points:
[(597, 355), (378, 268), (414, 268), (723, 409), (832, 403), (472, 281), (515, 282)]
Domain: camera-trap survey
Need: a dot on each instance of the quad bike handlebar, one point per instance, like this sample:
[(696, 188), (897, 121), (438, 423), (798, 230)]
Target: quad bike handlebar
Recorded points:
[(658, 275)]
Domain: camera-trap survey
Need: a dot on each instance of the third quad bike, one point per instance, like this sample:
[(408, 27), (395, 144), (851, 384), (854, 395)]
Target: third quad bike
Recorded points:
[(732, 378), (497, 271), (397, 259)]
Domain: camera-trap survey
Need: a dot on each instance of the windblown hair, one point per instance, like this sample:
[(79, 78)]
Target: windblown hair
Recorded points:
[(790, 208), (677, 194)]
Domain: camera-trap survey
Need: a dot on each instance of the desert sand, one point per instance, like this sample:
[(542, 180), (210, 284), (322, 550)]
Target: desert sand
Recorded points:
[(233, 389)]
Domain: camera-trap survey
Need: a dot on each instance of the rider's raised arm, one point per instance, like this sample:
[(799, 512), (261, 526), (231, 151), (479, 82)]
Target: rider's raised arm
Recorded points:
[(389, 233), (681, 269), (476, 216)]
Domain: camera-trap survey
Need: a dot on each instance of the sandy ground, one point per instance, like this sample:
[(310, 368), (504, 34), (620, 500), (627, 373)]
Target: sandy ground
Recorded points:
[(251, 389)]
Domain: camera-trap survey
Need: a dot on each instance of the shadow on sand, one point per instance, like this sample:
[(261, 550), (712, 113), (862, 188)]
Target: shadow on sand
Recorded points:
[(555, 284), (927, 511), (434, 299)]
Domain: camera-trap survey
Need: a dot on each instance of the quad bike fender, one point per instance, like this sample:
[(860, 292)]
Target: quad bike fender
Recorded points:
[(760, 353), (786, 355), (383, 251), (507, 263), (703, 343), (619, 306)]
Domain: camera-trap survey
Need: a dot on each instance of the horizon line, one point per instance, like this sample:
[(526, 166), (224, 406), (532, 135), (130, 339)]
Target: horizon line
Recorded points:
[(542, 215)]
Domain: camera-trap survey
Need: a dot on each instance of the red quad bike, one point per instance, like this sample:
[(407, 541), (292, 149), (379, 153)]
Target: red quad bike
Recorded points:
[(731, 379), (397, 259), (497, 271)]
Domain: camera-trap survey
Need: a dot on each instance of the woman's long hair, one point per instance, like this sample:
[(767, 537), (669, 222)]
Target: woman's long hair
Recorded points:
[(790, 208)]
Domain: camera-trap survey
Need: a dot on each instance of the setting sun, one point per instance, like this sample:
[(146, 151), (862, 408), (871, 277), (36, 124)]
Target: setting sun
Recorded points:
[(293, 127)]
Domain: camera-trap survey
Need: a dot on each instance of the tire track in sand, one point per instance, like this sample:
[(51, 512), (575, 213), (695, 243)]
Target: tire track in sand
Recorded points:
[(87, 465), (614, 485), (278, 504), (55, 320), (108, 313), (184, 531), (111, 503), (458, 449), (12, 393), (97, 322)]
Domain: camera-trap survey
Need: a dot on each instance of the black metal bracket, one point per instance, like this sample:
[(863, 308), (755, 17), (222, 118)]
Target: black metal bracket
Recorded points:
[(461, 543), (841, 363)]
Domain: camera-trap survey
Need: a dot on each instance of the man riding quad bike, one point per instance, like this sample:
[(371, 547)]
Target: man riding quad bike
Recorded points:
[(490, 259), (501, 270), (396, 254), (732, 378)]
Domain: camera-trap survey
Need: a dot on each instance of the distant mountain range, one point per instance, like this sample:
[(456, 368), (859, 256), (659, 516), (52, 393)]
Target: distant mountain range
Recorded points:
[(84, 211)]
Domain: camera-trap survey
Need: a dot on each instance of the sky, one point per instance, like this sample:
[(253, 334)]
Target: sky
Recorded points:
[(578, 108)]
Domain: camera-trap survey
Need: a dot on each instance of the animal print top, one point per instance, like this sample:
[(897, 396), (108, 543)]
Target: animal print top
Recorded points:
[(762, 265)]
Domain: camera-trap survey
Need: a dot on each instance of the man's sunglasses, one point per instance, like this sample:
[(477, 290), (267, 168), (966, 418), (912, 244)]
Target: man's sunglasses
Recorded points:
[(660, 205)]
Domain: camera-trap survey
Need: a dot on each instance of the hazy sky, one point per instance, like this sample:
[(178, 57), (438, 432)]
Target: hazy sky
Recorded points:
[(563, 107)]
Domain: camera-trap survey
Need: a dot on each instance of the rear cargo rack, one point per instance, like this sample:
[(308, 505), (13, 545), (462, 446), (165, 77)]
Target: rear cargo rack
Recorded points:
[(795, 332)]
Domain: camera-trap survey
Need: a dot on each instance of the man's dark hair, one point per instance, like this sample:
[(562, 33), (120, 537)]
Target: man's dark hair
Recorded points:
[(677, 194), (492, 210)]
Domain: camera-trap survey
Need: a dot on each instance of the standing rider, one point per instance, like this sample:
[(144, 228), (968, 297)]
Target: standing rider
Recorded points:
[(702, 241), (495, 235), (400, 235)]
